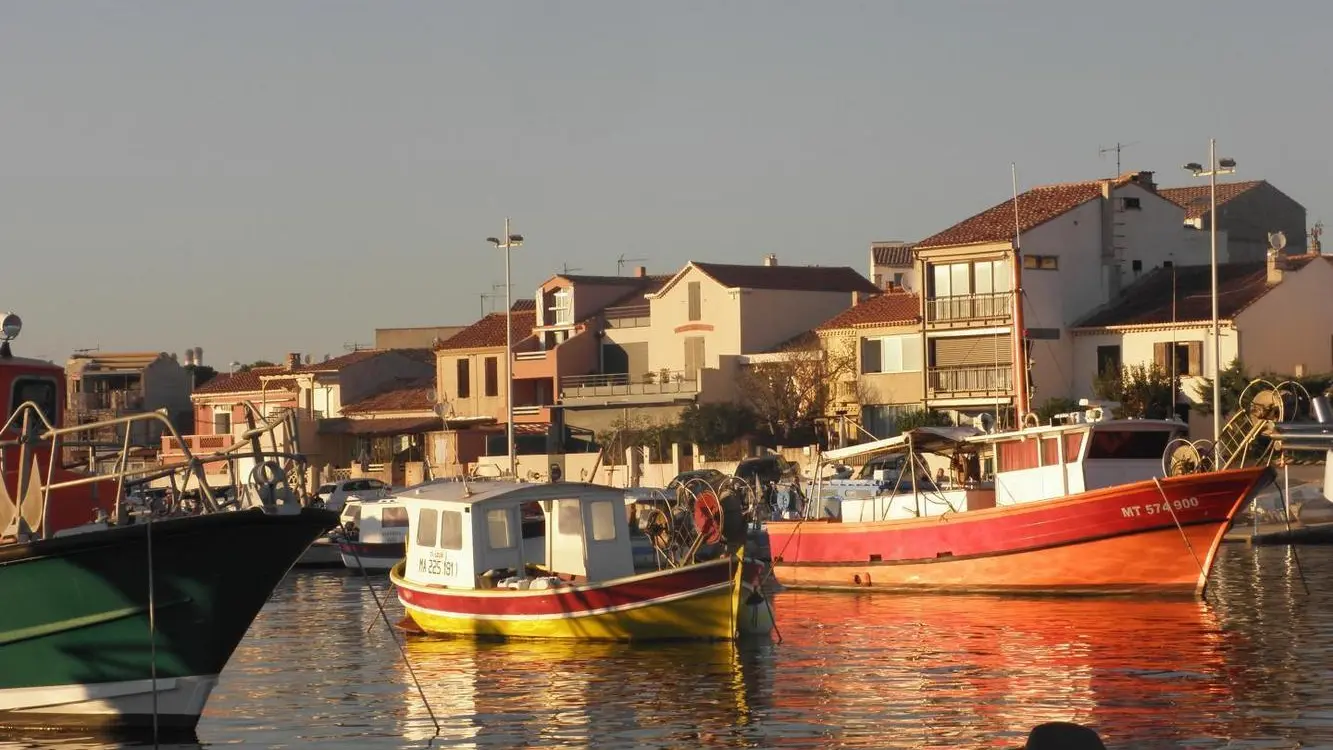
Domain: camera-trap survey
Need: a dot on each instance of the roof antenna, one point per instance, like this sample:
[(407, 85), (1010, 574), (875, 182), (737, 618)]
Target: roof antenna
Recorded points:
[(1116, 148), (622, 260)]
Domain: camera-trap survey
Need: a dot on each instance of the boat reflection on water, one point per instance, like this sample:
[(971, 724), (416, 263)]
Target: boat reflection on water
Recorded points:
[(556, 693), (985, 670)]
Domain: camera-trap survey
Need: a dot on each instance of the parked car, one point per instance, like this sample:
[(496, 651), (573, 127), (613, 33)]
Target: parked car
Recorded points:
[(336, 494)]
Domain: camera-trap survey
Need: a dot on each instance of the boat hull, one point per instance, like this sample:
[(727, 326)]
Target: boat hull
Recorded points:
[(322, 553), (1119, 540), (706, 601), (76, 648), (373, 557)]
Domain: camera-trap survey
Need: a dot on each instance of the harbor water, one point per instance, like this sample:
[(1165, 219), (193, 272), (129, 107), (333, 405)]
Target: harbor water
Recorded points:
[(1248, 668)]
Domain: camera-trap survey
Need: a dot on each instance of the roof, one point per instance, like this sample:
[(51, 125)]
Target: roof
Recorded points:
[(519, 306), (1035, 207), (246, 381), (892, 254), (802, 340), (1196, 199), (607, 280), (1148, 302), (380, 426), (651, 285), (490, 331), (507, 493), (892, 308), (787, 278), (116, 360), (361, 355), (413, 396)]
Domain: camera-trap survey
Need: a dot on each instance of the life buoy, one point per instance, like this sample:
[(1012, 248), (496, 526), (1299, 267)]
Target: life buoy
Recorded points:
[(1031, 419)]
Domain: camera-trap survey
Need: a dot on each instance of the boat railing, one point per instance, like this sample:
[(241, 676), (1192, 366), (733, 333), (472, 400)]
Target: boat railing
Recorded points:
[(276, 464)]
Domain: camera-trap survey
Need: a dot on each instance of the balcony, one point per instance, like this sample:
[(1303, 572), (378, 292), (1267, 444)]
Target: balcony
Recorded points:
[(968, 309), (627, 316), (971, 381), (198, 444), (633, 389), (531, 414), (113, 401)]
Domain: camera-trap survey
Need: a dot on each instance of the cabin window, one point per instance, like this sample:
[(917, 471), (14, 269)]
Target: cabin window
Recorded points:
[(497, 528), (451, 529), (1073, 446), (393, 518), (40, 391), (426, 528), (569, 517), (603, 521), (1148, 444), (352, 513), (1050, 451), (1018, 454)]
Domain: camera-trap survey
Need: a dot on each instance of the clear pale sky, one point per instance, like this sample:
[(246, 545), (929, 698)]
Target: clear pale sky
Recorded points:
[(262, 177)]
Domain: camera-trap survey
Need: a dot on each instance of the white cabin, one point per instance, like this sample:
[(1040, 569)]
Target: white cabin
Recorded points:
[(376, 521), (469, 536)]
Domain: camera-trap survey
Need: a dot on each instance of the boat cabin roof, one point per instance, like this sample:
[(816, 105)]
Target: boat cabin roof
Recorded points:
[(499, 494)]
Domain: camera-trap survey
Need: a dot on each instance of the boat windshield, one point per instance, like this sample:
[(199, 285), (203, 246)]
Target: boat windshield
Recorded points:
[(1146, 444)]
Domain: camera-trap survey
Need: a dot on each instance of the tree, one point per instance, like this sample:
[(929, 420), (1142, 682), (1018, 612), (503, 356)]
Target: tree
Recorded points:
[(712, 426), (637, 431), (1144, 392), (256, 363), (1056, 405), (1234, 380), (791, 390), (202, 374), (910, 420)]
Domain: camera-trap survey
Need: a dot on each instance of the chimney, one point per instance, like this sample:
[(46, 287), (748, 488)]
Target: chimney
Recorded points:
[(1275, 266), (770, 260), (641, 271), (1144, 180), (293, 360)]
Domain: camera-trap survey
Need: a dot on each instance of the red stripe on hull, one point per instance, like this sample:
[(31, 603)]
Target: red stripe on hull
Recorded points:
[(635, 590), (391, 550), (994, 549)]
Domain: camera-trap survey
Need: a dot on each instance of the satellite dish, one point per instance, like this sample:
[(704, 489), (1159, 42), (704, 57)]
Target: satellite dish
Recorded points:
[(10, 325), (1277, 240)]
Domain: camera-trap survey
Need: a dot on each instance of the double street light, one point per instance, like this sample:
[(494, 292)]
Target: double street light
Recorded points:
[(1215, 167), (509, 242)]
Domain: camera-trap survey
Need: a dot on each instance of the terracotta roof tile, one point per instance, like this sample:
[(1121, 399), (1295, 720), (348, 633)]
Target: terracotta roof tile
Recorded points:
[(893, 308), (523, 304), (1196, 198), (1035, 207), (892, 254), (490, 331), (651, 285), (1148, 301), (411, 396), (245, 382), (789, 278)]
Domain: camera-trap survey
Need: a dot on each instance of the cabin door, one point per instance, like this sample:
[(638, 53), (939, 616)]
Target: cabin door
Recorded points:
[(606, 539)]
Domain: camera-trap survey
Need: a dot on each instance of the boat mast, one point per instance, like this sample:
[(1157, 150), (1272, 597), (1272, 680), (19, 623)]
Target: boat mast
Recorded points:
[(1021, 406)]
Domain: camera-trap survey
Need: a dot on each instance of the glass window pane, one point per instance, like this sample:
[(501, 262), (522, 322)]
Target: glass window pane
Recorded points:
[(451, 529), (893, 354), (941, 280), (393, 518), (603, 521), (569, 517), (497, 528), (982, 271), (1001, 276), (958, 279), (426, 527), (911, 353)]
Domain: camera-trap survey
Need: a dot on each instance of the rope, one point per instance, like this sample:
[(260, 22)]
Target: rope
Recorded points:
[(1179, 528)]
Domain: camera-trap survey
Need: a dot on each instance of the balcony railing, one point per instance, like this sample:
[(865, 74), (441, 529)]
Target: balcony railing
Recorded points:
[(627, 316), (108, 400), (971, 380), (197, 443), (968, 307), (620, 384), (534, 355)]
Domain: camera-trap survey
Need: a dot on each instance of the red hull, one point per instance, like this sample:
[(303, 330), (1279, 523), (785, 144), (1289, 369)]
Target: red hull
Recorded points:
[(1112, 541)]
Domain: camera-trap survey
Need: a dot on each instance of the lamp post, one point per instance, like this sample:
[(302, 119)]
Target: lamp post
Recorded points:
[(510, 241), (1215, 168)]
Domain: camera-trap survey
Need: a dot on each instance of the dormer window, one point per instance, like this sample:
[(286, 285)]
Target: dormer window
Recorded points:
[(563, 307)]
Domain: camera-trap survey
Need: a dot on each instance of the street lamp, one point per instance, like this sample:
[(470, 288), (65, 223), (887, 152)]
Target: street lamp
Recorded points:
[(1215, 168), (231, 368), (510, 241)]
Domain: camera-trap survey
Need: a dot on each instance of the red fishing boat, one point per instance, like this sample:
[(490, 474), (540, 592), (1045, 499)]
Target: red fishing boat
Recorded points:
[(1075, 508)]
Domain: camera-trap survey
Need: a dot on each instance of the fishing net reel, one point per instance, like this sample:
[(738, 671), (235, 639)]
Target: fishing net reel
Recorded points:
[(697, 520)]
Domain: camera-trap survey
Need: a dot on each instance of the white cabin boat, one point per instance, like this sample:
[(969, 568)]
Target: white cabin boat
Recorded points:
[(373, 534)]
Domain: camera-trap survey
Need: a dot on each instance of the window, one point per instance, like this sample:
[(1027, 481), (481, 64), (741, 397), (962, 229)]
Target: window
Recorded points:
[(1130, 204), (492, 376), (464, 379), (564, 307), (899, 279), (1179, 358), (694, 354), (1041, 262), (1145, 444), (351, 514), (879, 280), (569, 517), (1108, 361), (891, 354), (603, 521), (1136, 266), (393, 518), (40, 391), (222, 422), (497, 529), (426, 527), (451, 529), (695, 300)]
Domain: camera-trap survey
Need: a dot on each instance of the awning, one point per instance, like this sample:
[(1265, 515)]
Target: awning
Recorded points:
[(928, 439), (383, 426)]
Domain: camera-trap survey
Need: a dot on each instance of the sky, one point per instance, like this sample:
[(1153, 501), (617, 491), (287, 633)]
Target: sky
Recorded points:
[(255, 178)]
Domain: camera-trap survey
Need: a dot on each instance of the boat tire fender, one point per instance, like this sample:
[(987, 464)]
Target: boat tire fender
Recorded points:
[(267, 473)]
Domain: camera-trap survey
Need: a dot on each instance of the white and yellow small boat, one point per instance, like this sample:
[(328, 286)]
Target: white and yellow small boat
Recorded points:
[(470, 571)]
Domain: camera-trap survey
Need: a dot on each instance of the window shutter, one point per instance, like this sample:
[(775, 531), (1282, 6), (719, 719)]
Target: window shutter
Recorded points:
[(1161, 355), (1195, 358)]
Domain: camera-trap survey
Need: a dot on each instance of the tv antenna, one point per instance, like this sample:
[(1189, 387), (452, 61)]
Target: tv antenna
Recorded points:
[(88, 350), (622, 260), (1117, 148), (354, 346), (1316, 232), (497, 291), (565, 268)]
